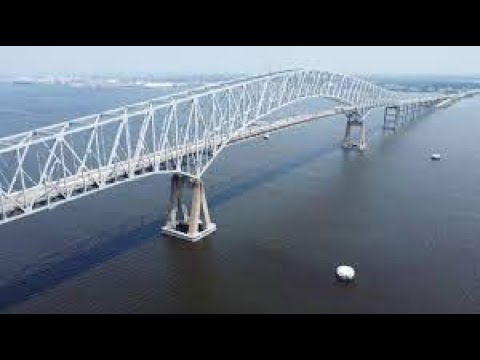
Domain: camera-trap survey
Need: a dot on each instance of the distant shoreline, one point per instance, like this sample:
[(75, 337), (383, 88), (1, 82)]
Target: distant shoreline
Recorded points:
[(391, 82)]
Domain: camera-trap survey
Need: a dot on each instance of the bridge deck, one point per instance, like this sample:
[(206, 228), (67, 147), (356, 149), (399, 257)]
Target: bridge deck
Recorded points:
[(194, 126), (50, 194)]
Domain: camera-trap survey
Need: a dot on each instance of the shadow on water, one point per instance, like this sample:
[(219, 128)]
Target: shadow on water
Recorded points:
[(264, 175), (26, 286), (51, 274)]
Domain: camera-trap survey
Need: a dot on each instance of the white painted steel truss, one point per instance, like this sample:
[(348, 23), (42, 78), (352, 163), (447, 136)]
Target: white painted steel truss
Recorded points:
[(178, 134)]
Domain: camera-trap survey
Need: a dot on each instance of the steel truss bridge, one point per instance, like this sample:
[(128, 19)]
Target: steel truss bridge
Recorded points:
[(181, 134)]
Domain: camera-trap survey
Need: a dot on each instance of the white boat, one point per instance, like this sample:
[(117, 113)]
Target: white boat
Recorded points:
[(435, 157), (266, 137), (345, 273)]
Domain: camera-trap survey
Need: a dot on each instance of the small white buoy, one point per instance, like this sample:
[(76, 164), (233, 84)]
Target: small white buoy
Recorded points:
[(436, 157), (345, 273)]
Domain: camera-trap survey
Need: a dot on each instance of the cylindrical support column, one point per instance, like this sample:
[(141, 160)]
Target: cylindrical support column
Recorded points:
[(363, 141), (347, 141), (174, 200), (206, 212), (181, 208), (194, 219)]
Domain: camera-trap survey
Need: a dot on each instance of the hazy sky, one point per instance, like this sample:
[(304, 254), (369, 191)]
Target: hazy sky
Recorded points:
[(237, 59)]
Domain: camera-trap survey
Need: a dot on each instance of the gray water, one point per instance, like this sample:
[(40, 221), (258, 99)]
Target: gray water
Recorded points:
[(288, 210)]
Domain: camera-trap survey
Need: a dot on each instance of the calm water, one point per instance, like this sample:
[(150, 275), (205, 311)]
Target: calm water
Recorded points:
[(288, 211)]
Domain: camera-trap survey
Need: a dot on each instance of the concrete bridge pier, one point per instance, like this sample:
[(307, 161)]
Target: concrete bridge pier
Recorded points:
[(349, 141), (183, 224), (391, 118)]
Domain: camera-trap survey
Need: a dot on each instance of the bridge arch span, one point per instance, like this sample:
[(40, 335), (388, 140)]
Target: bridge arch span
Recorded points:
[(178, 134)]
